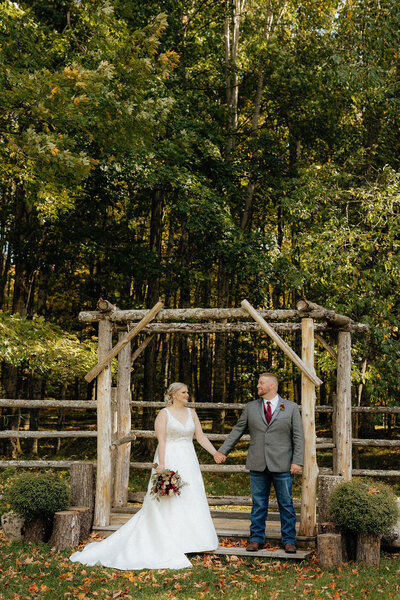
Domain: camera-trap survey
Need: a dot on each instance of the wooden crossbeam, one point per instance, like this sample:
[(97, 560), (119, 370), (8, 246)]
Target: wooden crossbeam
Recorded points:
[(325, 345), (281, 343), (123, 342), (142, 347)]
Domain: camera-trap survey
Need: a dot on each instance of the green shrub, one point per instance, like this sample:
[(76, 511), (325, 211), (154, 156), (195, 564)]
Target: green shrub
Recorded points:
[(363, 507), (32, 495)]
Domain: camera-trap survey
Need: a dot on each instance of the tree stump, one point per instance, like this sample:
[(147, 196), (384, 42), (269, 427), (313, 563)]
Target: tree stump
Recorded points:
[(326, 485), (369, 549), (82, 484), (329, 550), (85, 515), (329, 527), (66, 530)]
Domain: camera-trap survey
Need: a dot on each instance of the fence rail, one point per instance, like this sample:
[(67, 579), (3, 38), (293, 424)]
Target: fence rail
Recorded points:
[(66, 464), (27, 403), (321, 443)]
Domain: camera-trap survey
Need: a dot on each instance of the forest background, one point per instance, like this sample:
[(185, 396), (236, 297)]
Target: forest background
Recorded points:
[(200, 151)]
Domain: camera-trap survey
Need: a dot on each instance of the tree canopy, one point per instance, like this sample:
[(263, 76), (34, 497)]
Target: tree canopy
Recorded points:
[(203, 152)]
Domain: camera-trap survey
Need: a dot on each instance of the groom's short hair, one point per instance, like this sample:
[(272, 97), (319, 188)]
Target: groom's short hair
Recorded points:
[(272, 376)]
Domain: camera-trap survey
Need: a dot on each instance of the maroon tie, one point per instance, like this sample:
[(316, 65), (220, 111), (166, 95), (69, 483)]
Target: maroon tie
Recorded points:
[(268, 412)]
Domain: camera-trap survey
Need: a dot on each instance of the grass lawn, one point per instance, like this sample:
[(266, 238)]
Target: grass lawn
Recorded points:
[(28, 572)]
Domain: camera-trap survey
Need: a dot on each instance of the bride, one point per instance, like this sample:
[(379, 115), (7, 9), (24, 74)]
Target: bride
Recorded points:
[(159, 535)]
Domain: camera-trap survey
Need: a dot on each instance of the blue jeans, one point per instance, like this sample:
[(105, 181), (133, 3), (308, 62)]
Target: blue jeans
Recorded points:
[(260, 483)]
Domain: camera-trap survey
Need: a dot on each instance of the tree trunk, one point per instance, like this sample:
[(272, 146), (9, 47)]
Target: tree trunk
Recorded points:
[(185, 372), (36, 387), (42, 285), (11, 416), (219, 391), (151, 389), (22, 246), (5, 264)]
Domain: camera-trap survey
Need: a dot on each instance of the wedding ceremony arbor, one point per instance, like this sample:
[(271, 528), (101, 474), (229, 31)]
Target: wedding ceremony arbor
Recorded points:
[(114, 426)]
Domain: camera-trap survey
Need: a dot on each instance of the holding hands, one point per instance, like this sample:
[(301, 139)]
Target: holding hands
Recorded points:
[(219, 457)]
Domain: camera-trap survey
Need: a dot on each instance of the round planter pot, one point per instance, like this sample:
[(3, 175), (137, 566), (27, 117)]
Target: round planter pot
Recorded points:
[(13, 526)]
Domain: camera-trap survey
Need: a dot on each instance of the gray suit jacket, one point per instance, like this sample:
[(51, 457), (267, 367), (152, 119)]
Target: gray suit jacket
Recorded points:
[(276, 445)]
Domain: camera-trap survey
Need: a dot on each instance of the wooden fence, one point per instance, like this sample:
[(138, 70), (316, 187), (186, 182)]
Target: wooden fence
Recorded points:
[(321, 443)]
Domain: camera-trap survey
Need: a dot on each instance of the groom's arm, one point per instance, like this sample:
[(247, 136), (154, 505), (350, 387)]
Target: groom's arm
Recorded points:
[(235, 434), (297, 437)]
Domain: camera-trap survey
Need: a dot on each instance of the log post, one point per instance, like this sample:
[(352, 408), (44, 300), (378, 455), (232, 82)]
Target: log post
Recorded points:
[(123, 451), (82, 484), (114, 436), (103, 479), (308, 514), (326, 485), (329, 550), (342, 454)]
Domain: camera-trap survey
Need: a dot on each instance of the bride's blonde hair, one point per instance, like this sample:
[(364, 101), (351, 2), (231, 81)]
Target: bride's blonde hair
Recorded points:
[(173, 388)]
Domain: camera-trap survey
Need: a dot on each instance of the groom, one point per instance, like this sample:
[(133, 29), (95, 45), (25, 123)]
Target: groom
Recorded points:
[(275, 455)]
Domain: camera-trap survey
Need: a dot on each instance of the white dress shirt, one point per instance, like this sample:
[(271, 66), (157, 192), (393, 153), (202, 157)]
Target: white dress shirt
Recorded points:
[(274, 403)]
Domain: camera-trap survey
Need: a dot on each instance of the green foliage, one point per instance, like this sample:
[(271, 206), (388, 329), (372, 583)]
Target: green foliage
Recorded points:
[(364, 507), (32, 495), (44, 348)]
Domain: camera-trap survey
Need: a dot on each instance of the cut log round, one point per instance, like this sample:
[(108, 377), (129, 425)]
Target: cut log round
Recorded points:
[(82, 484), (328, 527), (85, 515), (329, 550), (105, 305), (66, 529), (369, 549), (326, 485)]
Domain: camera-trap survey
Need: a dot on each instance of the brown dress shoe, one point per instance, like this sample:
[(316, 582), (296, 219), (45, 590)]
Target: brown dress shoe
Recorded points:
[(254, 546), (290, 548)]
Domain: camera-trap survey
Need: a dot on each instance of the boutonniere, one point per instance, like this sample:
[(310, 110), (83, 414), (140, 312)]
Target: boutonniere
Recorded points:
[(282, 407)]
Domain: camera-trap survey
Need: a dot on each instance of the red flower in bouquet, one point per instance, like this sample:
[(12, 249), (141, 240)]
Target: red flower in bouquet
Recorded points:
[(166, 483)]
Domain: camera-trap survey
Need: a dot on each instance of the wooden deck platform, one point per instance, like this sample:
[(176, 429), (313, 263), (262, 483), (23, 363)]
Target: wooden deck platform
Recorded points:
[(268, 554), (229, 524)]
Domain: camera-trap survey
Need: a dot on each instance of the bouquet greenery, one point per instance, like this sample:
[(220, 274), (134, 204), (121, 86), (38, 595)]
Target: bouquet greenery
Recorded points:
[(166, 483)]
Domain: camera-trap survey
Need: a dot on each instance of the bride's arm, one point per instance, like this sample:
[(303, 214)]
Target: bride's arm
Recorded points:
[(160, 428), (200, 436)]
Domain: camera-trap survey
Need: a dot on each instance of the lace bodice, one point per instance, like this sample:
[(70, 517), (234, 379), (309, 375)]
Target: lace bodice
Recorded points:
[(176, 431)]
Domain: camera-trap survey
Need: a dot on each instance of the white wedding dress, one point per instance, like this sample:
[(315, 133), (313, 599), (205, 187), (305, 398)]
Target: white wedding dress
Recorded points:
[(159, 535)]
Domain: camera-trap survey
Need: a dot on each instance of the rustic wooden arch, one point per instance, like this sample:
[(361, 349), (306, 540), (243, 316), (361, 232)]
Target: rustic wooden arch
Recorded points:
[(114, 432)]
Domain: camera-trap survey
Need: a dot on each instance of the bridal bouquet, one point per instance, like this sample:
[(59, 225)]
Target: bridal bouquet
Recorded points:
[(166, 483)]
